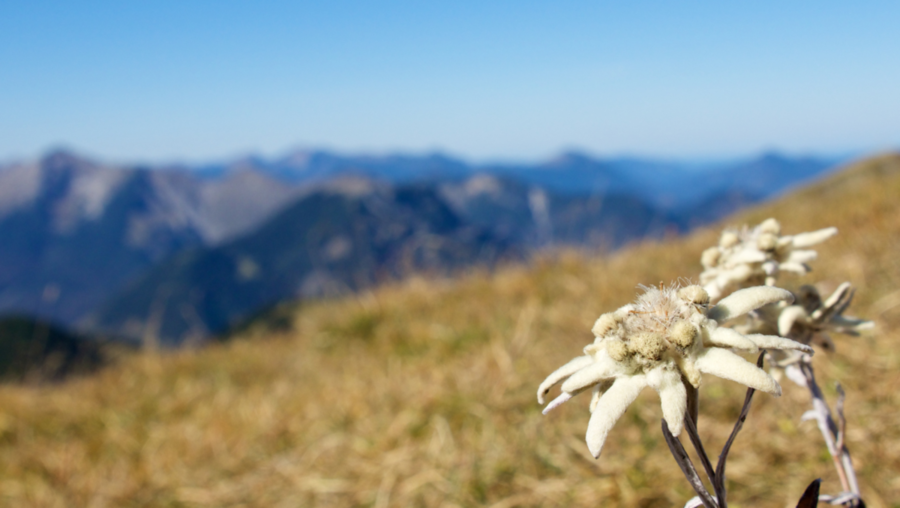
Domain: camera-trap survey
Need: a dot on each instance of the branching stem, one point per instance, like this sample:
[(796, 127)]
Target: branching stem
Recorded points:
[(717, 477), (832, 433), (687, 467)]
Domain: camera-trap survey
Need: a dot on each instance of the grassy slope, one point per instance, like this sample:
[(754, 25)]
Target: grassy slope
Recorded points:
[(422, 394)]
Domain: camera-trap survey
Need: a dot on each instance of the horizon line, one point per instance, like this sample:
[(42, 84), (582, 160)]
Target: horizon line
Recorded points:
[(191, 163)]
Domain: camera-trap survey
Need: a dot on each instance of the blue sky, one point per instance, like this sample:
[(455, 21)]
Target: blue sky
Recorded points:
[(195, 80)]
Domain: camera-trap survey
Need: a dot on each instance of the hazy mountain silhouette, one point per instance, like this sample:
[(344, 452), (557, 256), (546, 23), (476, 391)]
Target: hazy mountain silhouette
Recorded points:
[(350, 235), (75, 230), (80, 236)]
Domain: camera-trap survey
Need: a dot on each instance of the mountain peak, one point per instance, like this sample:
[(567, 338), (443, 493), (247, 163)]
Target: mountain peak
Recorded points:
[(64, 158), (571, 158), (771, 156)]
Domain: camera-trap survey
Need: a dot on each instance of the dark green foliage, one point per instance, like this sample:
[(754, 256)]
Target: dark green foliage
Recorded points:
[(32, 350)]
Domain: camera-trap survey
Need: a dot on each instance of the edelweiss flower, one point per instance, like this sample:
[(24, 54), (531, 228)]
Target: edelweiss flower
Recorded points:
[(809, 320), (668, 337), (752, 257)]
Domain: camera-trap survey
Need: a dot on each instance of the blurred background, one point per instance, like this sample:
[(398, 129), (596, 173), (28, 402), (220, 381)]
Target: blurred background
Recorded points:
[(176, 175)]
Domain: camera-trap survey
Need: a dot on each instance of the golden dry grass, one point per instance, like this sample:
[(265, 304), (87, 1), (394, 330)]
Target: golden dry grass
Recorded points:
[(423, 393)]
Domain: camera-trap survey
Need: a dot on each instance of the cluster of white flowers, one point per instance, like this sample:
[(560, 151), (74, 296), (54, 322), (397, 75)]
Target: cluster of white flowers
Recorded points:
[(752, 256), (668, 337), (749, 257)]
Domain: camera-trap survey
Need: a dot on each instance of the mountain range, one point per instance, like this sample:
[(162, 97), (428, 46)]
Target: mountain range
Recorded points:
[(336, 240), (178, 253)]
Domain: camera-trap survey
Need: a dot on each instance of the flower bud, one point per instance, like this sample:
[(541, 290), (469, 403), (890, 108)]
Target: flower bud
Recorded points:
[(616, 349), (649, 345), (770, 226), (767, 241), (729, 239), (683, 334), (605, 324), (710, 257), (694, 294)]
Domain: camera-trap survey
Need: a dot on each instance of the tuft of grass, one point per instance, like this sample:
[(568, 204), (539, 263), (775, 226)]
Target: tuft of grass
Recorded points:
[(422, 393)]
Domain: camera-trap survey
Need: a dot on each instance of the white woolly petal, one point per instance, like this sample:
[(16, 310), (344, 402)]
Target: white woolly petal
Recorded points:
[(744, 300), (864, 325), (702, 321), (837, 296), (794, 373), (713, 290), (726, 337), (561, 373), (555, 403), (809, 239), (798, 268), (854, 324), (602, 368), (775, 342), (727, 365), (689, 370), (599, 389), (610, 408), (810, 415), (745, 256), (802, 256), (624, 310), (672, 394), (595, 397), (737, 274), (694, 502), (788, 317)]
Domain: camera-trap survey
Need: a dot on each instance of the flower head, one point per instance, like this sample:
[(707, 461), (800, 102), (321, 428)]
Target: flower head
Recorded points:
[(755, 256), (668, 337), (810, 321)]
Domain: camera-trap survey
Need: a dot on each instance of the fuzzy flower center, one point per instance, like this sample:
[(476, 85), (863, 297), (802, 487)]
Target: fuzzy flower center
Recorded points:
[(661, 322)]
